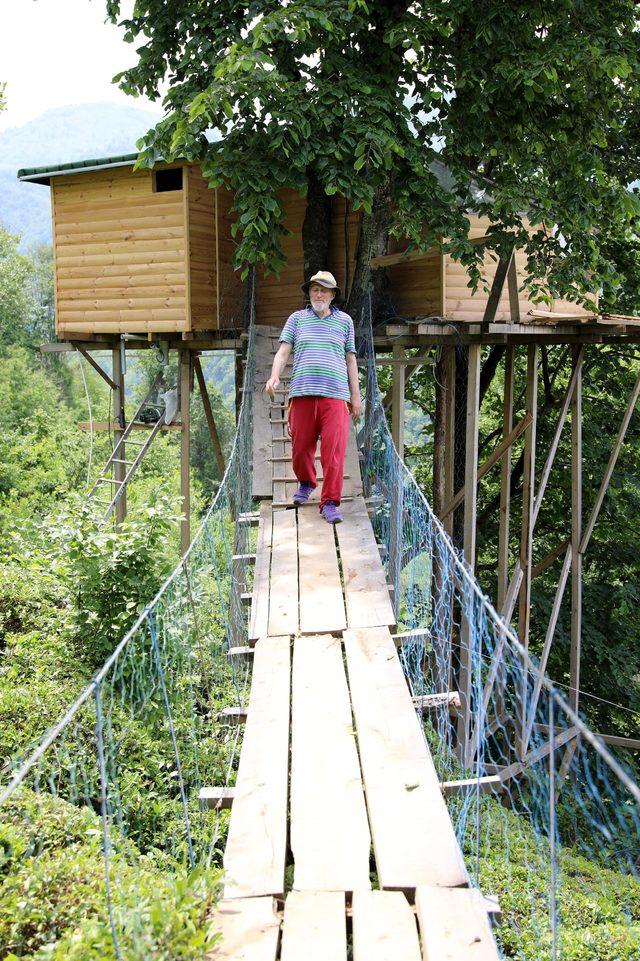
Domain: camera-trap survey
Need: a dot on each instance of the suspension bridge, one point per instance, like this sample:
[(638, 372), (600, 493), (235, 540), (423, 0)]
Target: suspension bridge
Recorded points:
[(374, 808)]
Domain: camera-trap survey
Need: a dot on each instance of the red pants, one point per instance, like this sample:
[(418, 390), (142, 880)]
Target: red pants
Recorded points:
[(328, 419)]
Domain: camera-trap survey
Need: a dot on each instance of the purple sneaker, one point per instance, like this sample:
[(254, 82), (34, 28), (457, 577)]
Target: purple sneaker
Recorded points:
[(331, 513), (302, 494)]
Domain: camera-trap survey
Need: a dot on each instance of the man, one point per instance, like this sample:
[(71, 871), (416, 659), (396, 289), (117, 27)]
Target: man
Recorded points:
[(324, 390)]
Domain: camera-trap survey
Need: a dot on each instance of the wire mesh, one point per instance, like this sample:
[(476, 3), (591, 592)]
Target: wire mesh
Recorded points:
[(105, 850), (547, 819)]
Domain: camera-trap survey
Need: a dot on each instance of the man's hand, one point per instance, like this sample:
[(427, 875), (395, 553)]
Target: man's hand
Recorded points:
[(355, 409), (270, 387)]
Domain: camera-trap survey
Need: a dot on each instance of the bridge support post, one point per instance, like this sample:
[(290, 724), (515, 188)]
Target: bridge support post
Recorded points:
[(465, 669), (185, 447), (119, 470), (576, 537)]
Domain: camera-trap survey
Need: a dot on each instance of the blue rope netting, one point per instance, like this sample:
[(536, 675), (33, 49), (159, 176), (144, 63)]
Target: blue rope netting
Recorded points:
[(547, 818)]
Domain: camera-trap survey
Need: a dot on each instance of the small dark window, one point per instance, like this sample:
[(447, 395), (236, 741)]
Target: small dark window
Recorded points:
[(167, 179)]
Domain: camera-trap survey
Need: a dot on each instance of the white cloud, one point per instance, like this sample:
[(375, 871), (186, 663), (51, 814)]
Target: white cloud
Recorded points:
[(59, 52)]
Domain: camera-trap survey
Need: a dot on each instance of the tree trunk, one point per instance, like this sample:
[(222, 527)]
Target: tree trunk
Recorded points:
[(372, 241), (316, 229)]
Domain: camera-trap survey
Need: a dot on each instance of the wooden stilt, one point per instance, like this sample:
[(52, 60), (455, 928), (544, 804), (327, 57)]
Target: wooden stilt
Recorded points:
[(449, 353), (470, 504), (185, 447), (505, 481), (397, 414), (208, 413), (576, 538), (526, 536), (119, 470)]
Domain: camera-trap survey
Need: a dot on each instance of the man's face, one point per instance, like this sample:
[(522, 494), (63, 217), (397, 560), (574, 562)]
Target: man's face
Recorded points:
[(320, 297)]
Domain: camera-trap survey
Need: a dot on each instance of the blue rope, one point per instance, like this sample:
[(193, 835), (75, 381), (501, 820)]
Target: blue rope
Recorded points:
[(106, 844), (176, 753)]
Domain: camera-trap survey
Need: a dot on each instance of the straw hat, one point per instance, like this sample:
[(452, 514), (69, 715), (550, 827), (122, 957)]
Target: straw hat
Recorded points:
[(324, 279)]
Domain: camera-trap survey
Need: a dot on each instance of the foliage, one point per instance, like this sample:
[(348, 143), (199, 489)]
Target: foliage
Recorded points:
[(58, 865), (114, 574), (532, 107), (594, 902)]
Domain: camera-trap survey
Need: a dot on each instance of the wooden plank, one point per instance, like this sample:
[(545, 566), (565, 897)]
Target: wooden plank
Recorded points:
[(412, 834), (454, 925), (330, 837), (365, 585), (249, 930), (283, 599), (321, 603), (255, 854), (384, 927), (259, 619), (315, 926)]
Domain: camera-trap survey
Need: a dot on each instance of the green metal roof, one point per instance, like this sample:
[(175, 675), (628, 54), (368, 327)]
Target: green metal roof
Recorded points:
[(43, 175)]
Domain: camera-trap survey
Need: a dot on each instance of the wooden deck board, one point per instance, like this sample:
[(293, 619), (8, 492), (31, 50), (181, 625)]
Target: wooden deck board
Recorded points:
[(259, 619), (283, 599), (413, 837), (249, 927), (330, 837), (321, 602), (365, 584), (384, 927), (254, 858), (454, 925), (315, 927)]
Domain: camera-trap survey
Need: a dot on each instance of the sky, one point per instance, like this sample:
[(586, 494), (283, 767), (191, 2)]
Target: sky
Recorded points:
[(54, 53)]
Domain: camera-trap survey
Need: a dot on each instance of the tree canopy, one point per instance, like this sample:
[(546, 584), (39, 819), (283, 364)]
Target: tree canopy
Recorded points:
[(532, 107)]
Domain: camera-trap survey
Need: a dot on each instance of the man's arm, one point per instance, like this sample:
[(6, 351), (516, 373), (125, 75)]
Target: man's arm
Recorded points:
[(279, 363), (354, 386)]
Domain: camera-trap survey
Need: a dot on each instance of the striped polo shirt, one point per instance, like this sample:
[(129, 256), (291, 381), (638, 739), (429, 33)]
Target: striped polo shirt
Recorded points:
[(320, 346)]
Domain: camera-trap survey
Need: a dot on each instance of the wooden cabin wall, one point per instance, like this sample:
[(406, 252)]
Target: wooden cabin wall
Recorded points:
[(229, 282), (203, 269), (280, 296), (120, 254)]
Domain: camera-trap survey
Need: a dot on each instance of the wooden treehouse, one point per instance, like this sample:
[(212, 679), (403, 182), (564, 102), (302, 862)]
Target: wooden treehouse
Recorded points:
[(145, 258)]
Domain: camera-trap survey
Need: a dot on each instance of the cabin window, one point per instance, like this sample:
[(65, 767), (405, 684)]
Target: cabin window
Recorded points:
[(170, 179)]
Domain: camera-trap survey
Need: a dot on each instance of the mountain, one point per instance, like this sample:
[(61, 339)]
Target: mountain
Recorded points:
[(60, 136)]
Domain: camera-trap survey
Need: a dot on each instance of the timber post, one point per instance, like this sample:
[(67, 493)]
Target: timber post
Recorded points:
[(119, 469), (185, 447)]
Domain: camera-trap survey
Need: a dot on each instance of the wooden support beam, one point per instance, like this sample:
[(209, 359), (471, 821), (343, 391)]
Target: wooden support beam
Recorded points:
[(564, 410), (185, 449), (489, 783), (119, 470), (505, 479), (526, 534), (240, 651), (550, 558), (631, 742), (208, 413), (432, 702), (493, 302), (470, 507), (450, 430), (217, 798), (96, 366), (491, 460), (512, 281), (546, 647), (233, 715), (591, 523), (397, 409), (576, 538)]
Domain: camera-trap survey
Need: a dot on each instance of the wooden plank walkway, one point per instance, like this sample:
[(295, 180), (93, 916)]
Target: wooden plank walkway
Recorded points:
[(336, 791)]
